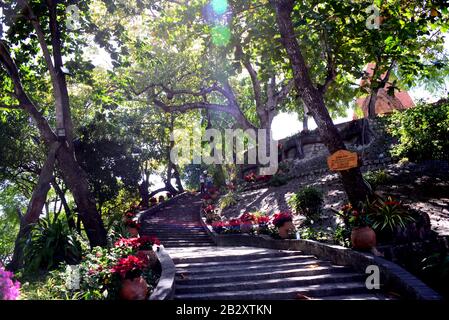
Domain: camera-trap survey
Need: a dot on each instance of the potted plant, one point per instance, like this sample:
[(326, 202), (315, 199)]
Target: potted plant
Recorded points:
[(247, 219), (218, 226), (363, 236), (283, 221), (133, 284), (262, 222), (133, 227), (145, 246)]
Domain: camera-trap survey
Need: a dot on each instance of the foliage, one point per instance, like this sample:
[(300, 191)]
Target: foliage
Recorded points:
[(377, 178), (278, 180), (50, 243), (307, 201), (9, 287), (342, 236), (228, 200), (422, 132), (389, 214), (311, 233)]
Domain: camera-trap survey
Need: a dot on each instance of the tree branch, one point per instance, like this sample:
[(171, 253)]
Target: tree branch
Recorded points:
[(257, 88)]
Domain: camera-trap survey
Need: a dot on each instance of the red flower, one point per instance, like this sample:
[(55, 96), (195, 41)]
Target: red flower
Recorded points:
[(280, 218), (246, 217), (130, 242), (263, 219), (130, 263), (234, 222), (146, 240), (209, 208)]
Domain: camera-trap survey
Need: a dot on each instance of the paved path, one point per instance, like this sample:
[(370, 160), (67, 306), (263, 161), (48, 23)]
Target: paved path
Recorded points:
[(205, 271)]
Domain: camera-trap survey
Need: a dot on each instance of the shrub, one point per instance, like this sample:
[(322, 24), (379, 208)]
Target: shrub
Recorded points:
[(277, 180), (422, 132), (9, 288), (377, 178), (307, 200), (228, 200), (50, 243)]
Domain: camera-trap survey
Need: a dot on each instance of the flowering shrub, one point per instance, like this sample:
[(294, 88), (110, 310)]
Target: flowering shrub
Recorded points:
[(142, 243), (131, 266), (233, 225), (209, 208), (250, 177), (280, 218), (130, 215), (219, 226), (247, 217), (9, 288)]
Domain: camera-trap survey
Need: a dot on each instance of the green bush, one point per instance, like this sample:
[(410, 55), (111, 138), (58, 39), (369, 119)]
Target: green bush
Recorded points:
[(422, 132), (49, 244), (377, 178), (277, 180), (307, 200), (228, 200)]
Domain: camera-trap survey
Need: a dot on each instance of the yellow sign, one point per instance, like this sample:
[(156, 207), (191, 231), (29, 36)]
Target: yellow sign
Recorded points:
[(342, 160)]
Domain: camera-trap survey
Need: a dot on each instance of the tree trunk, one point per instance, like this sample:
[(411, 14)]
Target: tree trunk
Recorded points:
[(68, 212), (75, 178), (354, 185), (34, 210), (144, 194)]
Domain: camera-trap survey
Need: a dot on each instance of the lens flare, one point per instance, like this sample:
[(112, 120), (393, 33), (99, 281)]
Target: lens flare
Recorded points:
[(219, 6), (221, 35)]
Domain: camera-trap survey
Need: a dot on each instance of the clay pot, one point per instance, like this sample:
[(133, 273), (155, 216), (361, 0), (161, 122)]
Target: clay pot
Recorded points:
[(285, 229), (134, 289), (134, 232), (363, 238)]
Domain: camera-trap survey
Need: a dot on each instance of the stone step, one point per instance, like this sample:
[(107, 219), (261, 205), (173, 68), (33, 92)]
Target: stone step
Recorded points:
[(176, 244), (302, 263), (312, 291), (270, 283), (260, 275), (225, 255), (360, 296), (175, 232), (243, 260)]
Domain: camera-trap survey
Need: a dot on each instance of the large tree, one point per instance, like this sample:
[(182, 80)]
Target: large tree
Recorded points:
[(35, 27)]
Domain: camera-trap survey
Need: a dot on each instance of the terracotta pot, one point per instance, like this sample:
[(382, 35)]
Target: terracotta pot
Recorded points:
[(134, 289), (134, 232), (363, 238), (285, 229)]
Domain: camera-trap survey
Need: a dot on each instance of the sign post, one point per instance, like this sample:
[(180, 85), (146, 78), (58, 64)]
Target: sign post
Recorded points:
[(342, 160)]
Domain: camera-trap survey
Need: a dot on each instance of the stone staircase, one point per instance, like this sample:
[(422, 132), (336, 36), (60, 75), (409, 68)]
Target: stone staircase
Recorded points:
[(205, 271), (245, 273)]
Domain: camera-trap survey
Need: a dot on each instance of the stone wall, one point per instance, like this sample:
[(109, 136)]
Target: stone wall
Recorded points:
[(306, 155)]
